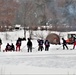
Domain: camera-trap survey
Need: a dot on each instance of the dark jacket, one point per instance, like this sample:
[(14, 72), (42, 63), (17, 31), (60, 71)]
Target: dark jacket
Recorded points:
[(47, 43), (0, 41), (29, 43), (8, 47), (12, 47), (41, 42), (64, 41)]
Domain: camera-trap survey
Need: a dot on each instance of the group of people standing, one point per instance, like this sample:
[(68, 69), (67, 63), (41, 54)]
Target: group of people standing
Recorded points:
[(40, 45), (41, 42), (29, 45)]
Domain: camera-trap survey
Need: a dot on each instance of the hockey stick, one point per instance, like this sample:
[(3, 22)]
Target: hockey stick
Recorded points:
[(22, 48), (72, 48), (59, 47), (34, 47)]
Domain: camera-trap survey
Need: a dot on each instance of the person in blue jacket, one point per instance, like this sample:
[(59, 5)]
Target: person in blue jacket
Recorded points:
[(40, 44), (47, 45)]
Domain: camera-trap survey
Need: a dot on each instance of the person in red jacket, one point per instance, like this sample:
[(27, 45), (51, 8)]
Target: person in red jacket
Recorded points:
[(18, 45), (74, 43)]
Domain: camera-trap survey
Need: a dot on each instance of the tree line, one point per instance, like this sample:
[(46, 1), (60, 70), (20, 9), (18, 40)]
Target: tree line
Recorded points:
[(55, 13)]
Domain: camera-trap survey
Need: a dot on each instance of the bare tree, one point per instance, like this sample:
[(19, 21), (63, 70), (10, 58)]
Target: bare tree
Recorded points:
[(7, 12), (55, 12)]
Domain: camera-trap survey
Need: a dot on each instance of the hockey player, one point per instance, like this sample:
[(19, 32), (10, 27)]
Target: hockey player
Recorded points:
[(64, 44), (18, 44), (0, 44), (74, 43), (29, 45), (40, 43), (47, 45), (12, 47), (8, 47)]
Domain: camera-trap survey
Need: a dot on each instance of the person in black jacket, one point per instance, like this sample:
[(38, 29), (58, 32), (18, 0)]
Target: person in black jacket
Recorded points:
[(12, 47), (64, 44), (0, 44), (8, 47), (29, 45)]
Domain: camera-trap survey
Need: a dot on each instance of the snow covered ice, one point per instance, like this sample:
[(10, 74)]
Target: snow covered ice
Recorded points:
[(46, 62)]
